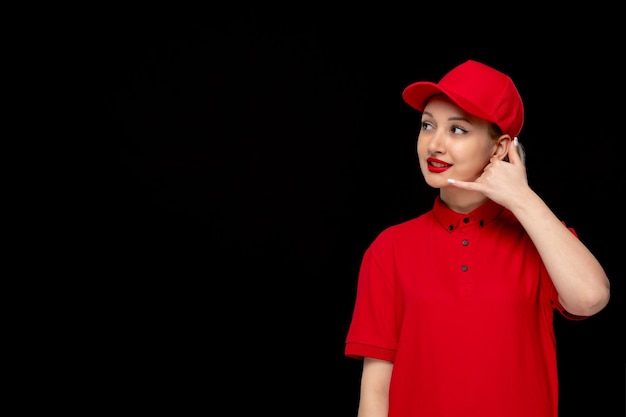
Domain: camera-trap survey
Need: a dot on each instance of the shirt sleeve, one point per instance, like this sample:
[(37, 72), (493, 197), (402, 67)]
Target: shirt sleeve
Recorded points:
[(374, 327)]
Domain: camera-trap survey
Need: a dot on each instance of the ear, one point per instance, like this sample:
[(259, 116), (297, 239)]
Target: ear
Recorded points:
[(502, 145)]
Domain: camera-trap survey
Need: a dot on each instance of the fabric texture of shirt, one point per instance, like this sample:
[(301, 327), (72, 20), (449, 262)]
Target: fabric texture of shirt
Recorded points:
[(463, 306)]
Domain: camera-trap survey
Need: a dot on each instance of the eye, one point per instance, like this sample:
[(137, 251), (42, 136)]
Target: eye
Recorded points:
[(458, 130), (426, 126)]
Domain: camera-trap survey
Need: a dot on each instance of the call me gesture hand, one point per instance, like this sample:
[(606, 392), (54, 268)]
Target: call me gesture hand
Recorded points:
[(501, 181)]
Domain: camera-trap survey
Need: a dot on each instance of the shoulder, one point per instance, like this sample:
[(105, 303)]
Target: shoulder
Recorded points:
[(406, 230)]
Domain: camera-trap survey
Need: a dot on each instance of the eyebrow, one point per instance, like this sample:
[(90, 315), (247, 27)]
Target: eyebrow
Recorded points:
[(460, 118)]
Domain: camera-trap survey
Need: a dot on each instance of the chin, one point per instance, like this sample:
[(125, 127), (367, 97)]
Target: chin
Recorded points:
[(437, 183)]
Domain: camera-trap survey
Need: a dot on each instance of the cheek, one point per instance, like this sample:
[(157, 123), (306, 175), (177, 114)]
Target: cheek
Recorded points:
[(421, 147), (469, 153)]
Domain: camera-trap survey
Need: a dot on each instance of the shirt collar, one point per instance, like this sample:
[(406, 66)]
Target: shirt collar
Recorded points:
[(449, 219)]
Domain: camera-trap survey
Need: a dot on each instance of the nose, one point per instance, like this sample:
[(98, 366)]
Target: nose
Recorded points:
[(435, 141)]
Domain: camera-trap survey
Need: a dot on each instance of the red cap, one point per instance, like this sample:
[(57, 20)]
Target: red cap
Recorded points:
[(479, 90)]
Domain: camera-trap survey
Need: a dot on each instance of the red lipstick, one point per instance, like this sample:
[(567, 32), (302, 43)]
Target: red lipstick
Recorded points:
[(436, 165)]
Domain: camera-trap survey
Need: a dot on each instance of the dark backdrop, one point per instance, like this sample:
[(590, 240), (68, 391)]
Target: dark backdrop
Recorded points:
[(252, 157)]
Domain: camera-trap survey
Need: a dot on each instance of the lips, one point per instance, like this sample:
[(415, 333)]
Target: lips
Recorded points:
[(437, 166)]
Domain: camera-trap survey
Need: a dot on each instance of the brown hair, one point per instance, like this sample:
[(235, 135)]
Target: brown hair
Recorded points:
[(495, 132)]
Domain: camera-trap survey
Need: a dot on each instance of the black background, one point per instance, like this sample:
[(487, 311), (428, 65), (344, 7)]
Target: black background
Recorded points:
[(251, 157)]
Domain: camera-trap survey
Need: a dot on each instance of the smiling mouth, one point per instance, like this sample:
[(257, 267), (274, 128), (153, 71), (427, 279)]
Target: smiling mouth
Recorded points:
[(437, 166)]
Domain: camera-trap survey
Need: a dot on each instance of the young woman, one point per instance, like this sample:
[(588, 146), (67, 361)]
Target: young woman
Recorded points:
[(454, 309)]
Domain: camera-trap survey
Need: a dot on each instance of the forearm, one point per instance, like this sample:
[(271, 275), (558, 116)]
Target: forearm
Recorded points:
[(576, 273), (374, 397), (373, 406)]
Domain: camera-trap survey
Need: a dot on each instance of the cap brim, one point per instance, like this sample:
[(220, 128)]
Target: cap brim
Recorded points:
[(416, 94)]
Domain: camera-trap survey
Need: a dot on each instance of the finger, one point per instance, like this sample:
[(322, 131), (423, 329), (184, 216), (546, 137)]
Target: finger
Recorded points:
[(513, 154), (467, 185)]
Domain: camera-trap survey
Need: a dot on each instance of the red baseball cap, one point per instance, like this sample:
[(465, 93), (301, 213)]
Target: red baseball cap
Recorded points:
[(479, 90)]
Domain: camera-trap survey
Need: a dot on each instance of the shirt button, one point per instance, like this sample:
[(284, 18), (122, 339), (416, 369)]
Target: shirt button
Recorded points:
[(451, 227), (465, 242), (466, 220), (482, 223), (464, 268)]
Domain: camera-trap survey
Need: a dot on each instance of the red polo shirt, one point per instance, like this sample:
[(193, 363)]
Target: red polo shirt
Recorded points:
[(463, 307)]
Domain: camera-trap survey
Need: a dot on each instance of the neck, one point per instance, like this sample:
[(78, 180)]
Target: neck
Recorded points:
[(461, 201)]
